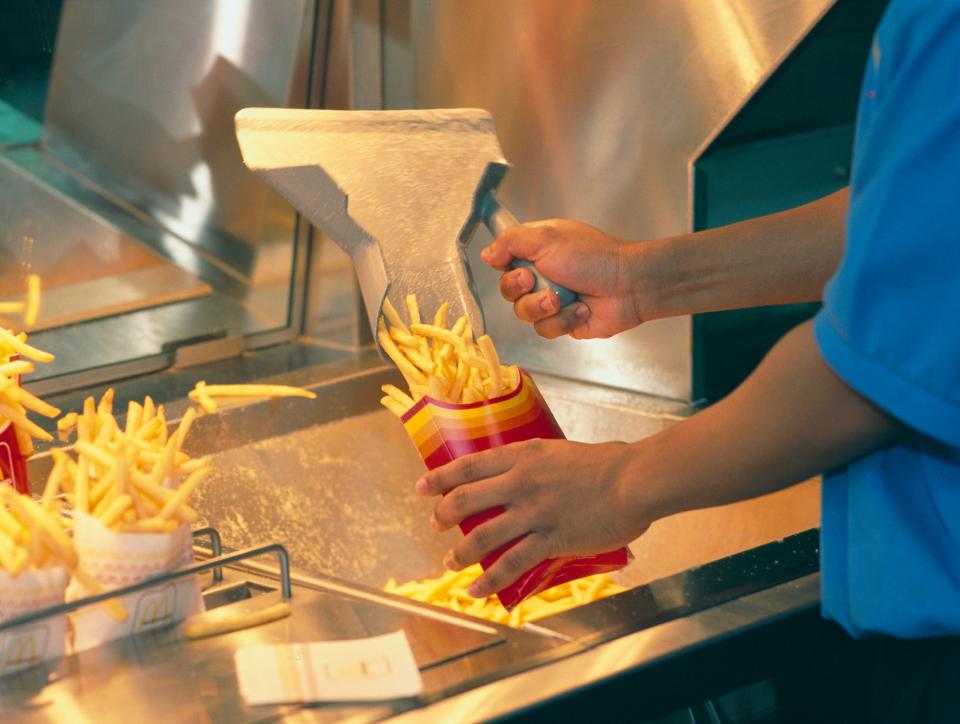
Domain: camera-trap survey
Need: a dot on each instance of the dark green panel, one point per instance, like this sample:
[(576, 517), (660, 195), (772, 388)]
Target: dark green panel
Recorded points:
[(789, 145), (28, 33)]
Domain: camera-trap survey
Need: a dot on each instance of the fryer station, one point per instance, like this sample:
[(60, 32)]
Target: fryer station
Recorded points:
[(229, 191)]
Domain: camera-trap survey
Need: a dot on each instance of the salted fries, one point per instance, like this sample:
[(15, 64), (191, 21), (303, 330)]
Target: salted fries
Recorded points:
[(18, 358), (440, 362), (30, 307), (32, 535), (450, 591), (134, 478)]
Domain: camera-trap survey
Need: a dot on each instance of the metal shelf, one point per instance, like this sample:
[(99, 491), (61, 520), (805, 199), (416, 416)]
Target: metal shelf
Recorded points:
[(214, 564)]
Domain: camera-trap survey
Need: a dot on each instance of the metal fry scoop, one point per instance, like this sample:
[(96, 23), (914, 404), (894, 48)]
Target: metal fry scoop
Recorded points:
[(399, 191)]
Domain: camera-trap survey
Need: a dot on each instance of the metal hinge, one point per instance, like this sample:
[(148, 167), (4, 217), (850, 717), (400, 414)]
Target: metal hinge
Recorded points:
[(210, 347)]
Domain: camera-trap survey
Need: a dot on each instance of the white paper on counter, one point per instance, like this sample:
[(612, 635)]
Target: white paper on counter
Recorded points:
[(371, 669), (42, 640), (120, 559)]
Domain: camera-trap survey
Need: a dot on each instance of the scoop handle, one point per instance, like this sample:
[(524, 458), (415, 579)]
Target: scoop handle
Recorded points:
[(498, 218)]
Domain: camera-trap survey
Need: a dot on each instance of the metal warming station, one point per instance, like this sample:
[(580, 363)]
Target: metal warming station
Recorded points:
[(165, 261)]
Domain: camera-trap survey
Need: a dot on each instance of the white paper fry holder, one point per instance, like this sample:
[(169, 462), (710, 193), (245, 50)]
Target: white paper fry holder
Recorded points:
[(30, 591), (116, 559)]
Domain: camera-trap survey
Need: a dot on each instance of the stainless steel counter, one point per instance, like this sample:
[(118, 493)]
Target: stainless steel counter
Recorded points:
[(330, 478), (160, 675)]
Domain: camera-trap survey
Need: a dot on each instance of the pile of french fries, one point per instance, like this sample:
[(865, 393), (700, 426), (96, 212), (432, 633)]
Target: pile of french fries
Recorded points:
[(30, 307), (17, 358), (32, 535), (135, 478), (441, 362), (450, 591)]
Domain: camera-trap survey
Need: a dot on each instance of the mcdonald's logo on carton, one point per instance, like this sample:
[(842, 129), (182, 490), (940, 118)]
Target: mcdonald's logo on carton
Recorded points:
[(22, 648), (156, 608)]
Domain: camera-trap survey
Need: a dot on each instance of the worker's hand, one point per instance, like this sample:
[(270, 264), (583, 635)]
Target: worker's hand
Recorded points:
[(560, 497), (593, 264)]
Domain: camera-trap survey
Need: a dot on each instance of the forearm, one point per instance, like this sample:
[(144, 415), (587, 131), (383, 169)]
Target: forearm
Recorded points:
[(792, 418), (777, 259)]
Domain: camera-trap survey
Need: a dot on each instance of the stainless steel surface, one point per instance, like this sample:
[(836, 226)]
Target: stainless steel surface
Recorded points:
[(600, 108), (141, 100), (90, 267), (333, 479), (642, 648), (194, 569), (471, 670), (330, 478), (158, 675), (394, 189), (138, 165)]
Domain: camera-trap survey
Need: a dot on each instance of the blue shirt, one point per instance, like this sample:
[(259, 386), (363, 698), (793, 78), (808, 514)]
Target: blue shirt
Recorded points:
[(890, 327)]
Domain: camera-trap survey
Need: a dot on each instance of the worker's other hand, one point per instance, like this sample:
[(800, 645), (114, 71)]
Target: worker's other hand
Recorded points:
[(580, 257), (560, 498)]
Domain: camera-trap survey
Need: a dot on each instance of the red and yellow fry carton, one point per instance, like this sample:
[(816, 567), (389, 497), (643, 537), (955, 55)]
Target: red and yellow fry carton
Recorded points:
[(13, 465), (443, 431)]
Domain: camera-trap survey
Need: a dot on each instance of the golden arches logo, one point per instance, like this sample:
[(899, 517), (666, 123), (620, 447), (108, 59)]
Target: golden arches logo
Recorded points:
[(156, 608), (22, 650)]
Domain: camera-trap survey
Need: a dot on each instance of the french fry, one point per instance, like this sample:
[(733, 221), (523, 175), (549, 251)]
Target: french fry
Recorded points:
[(20, 419), (66, 423), (206, 402), (30, 536), (413, 311), (42, 526), (449, 591), (197, 627), (493, 361), (258, 391), (390, 312), (32, 308), (149, 410), (22, 348), (440, 317), (391, 404), (12, 307), (444, 335), (105, 406), (81, 488), (114, 509), (398, 395), (442, 363), (34, 403), (15, 401), (52, 488), (406, 367), (24, 442), (12, 369)]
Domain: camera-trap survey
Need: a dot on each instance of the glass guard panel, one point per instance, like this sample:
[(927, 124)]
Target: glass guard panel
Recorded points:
[(122, 184)]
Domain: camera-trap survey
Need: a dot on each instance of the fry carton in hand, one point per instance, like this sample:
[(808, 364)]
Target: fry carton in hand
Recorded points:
[(463, 400)]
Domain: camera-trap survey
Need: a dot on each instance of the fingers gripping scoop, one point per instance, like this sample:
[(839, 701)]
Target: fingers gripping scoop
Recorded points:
[(392, 188)]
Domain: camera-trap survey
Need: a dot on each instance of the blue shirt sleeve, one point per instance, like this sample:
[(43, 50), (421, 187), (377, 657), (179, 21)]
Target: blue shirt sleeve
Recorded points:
[(890, 324)]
